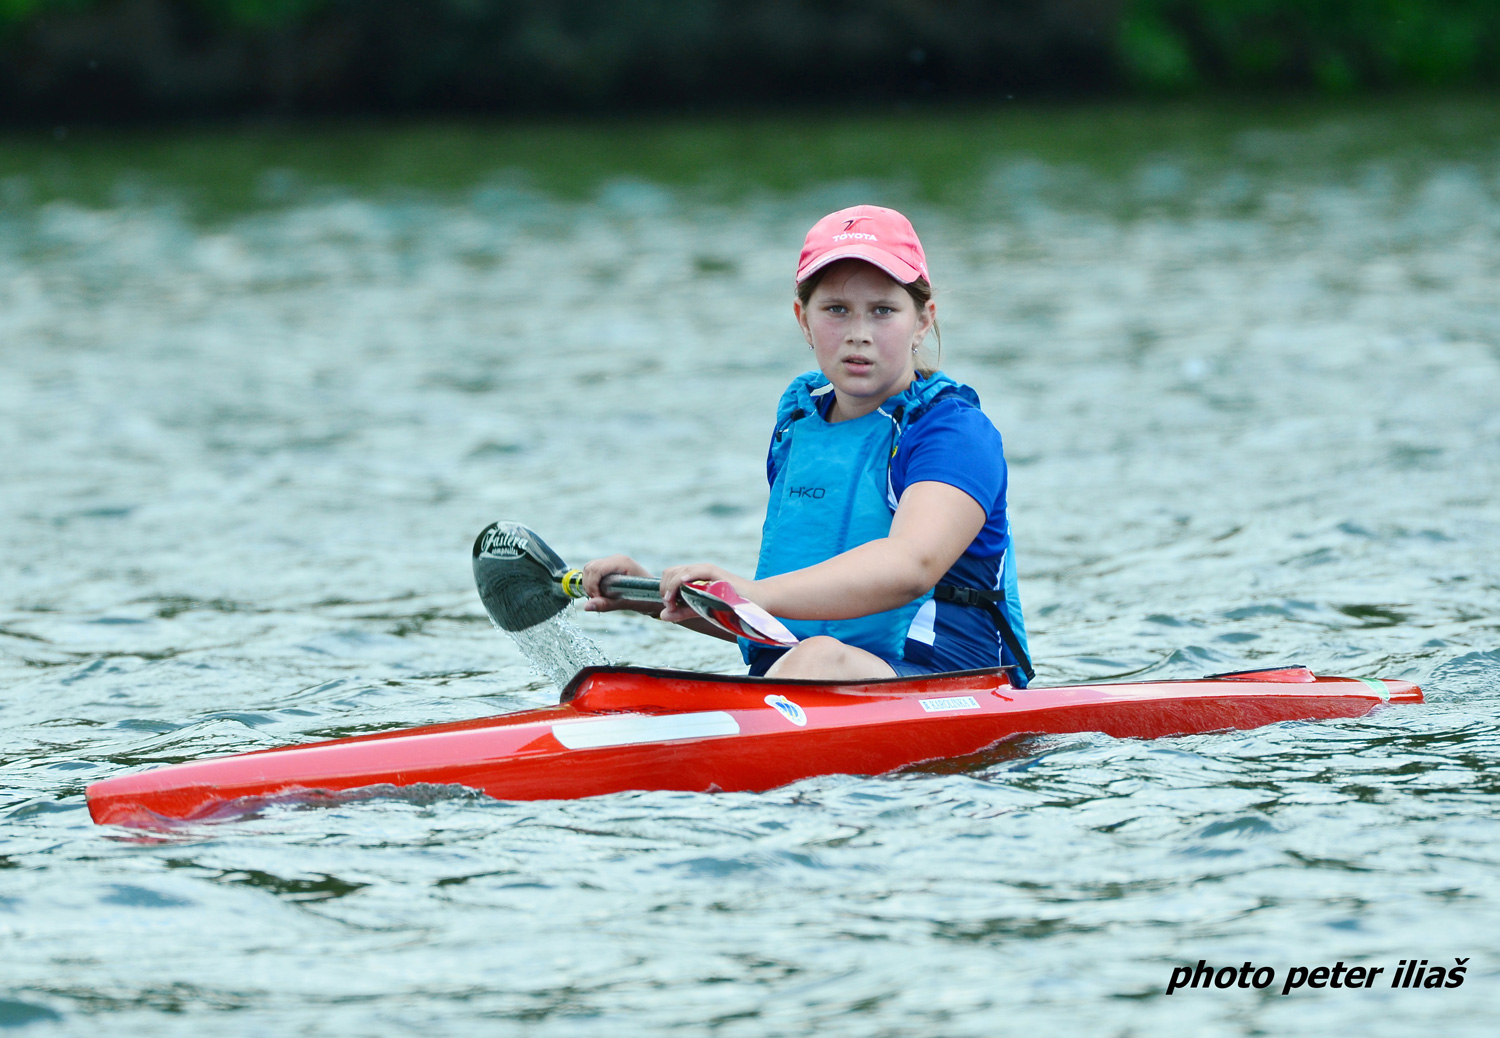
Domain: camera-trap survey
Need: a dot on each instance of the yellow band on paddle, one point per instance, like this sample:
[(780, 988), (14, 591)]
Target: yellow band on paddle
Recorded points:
[(571, 579)]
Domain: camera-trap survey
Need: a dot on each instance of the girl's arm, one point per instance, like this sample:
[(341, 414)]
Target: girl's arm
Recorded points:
[(932, 527)]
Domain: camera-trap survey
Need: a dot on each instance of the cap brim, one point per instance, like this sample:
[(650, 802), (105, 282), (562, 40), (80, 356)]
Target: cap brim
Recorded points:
[(899, 269)]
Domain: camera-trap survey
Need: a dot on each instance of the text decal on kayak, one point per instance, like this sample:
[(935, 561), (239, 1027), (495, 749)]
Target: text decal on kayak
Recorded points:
[(933, 706), (788, 709)]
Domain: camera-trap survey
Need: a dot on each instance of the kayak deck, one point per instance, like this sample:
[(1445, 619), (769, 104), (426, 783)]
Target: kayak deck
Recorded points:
[(634, 728)]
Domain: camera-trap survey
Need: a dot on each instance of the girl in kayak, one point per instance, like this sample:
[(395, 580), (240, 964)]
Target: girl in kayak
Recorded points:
[(886, 546)]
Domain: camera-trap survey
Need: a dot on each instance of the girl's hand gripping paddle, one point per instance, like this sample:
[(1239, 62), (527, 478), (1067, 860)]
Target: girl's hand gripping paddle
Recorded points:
[(522, 582)]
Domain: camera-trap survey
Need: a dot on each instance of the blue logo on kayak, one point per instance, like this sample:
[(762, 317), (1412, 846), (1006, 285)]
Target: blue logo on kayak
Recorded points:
[(788, 709)]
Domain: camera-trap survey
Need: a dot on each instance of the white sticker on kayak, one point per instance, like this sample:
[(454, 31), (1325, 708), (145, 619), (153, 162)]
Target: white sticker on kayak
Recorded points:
[(628, 729), (933, 706), (788, 709)]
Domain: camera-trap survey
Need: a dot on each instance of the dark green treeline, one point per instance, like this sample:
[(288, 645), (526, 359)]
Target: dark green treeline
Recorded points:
[(105, 59)]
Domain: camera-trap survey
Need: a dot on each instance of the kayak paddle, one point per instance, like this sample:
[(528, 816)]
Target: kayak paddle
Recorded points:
[(523, 582)]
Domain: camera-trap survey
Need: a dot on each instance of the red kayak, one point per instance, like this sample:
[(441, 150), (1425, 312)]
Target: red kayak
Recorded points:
[(632, 728)]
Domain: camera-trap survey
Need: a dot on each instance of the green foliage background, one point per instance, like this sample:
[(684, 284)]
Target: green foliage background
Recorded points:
[(102, 58), (1336, 45), (253, 13)]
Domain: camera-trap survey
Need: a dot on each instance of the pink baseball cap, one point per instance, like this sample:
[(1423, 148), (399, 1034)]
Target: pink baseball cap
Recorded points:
[(881, 237)]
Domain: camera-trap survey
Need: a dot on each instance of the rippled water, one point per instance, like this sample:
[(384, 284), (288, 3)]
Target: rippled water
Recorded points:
[(261, 389)]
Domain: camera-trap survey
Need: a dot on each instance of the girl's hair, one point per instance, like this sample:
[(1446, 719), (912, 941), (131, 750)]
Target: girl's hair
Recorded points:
[(921, 294)]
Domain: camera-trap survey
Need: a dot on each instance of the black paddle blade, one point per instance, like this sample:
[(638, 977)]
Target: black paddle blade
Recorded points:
[(517, 576)]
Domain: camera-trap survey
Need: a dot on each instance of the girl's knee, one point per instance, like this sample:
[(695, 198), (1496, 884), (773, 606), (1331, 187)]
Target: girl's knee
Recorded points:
[(819, 646), (822, 657), (810, 652)]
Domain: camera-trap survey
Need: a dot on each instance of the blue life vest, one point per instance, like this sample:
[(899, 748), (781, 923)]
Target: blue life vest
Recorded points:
[(831, 491)]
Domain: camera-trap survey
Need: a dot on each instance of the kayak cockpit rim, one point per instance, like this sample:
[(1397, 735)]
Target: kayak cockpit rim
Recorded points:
[(571, 689), (1291, 673)]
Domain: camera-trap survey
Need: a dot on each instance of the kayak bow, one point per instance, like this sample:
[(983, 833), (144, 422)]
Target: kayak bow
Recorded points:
[(632, 728)]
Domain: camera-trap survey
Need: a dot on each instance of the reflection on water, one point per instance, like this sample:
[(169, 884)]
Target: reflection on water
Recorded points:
[(261, 390)]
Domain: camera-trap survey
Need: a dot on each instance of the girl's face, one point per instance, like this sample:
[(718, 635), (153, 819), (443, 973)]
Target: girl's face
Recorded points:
[(864, 329)]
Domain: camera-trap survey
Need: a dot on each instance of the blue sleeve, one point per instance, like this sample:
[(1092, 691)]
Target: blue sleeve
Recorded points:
[(957, 444)]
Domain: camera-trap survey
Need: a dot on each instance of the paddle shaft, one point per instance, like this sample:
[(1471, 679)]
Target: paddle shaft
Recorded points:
[(631, 589), (735, 615), (646, 589), (615, 585)]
